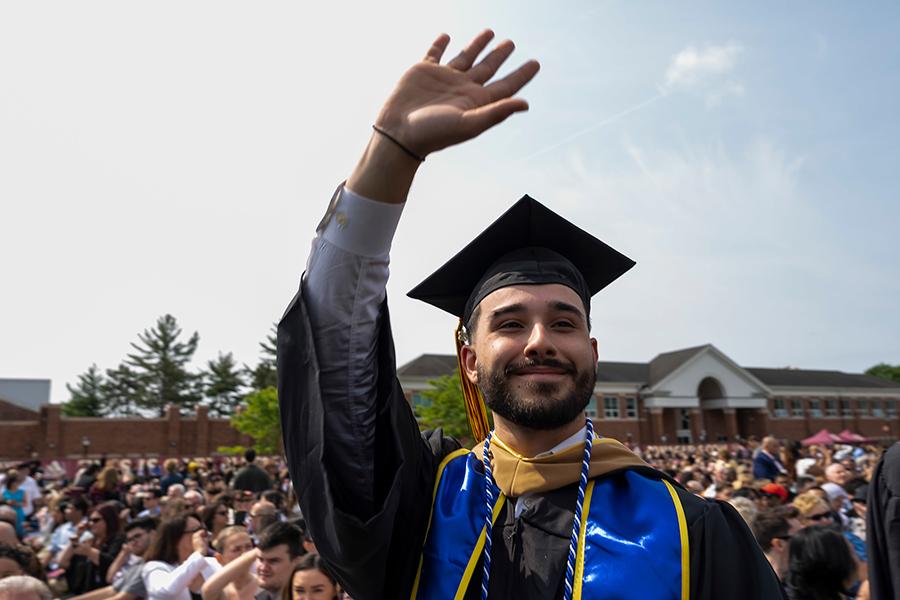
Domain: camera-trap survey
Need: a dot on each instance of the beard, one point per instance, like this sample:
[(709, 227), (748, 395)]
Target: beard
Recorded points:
[(537, 405)]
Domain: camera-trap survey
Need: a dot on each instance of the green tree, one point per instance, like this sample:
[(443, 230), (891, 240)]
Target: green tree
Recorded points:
[(223, 384), (885, 371), (88, 398), (261, 420), (123, 391), (264, 374), (160, 360), (444, 406)]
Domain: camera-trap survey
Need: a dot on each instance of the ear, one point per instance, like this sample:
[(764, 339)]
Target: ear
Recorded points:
[(469, 363), (594, 348)]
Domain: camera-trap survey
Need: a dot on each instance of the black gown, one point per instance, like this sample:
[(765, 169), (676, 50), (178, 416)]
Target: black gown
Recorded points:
[(883, 527), (370, 531)]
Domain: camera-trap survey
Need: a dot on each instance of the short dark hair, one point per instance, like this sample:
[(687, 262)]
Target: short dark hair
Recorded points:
[(769, 525), (145, 523), (250, 455), (309, 562), (282, 532), (81, 504)]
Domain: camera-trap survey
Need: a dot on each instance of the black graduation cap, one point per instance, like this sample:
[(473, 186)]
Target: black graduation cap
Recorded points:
[(528, 244)]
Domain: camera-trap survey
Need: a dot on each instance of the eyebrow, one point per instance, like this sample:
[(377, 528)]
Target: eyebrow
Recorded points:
[(519, 307)]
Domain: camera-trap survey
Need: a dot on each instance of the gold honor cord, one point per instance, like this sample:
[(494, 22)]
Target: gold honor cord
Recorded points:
[(476, 412)]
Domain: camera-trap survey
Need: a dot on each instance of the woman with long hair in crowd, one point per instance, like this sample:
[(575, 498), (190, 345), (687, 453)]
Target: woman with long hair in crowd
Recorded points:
[(92, 549), (820, 565), (215, 517), (107, 487), (178, 561), (311, 580), (14, 496)]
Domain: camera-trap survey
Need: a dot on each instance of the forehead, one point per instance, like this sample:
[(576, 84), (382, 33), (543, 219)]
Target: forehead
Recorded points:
[(531, 297)]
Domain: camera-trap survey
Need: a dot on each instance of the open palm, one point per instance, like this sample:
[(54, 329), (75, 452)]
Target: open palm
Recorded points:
[(434, 106)]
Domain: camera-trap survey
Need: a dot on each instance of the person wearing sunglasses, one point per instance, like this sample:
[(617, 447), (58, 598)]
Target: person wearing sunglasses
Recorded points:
[(773, 529), (178, 560), (93, 549)]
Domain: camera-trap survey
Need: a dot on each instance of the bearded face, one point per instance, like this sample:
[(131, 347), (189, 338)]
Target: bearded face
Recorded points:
[(532, 355)]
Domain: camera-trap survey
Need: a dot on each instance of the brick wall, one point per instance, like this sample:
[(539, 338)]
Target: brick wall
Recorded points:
[(13, 412), (53, 436)]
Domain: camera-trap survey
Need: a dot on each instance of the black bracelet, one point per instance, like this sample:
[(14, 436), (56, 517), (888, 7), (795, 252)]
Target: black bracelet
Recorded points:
[(396, 141)]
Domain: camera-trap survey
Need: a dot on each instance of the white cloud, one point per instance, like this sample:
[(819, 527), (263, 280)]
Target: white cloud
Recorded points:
[(708, 71)]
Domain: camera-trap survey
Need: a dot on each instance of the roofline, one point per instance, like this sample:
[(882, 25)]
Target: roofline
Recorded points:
[(710, 348)]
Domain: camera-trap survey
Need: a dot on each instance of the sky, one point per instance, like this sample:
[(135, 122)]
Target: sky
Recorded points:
[(175, 157)]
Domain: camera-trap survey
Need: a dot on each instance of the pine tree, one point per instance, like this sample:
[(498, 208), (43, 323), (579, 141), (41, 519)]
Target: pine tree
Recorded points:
[(161, 363), (264, 374), (123, 390), (88, 398), (223, 385)]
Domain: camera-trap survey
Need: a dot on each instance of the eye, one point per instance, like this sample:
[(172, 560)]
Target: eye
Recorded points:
[(565, 323), (510, 325)]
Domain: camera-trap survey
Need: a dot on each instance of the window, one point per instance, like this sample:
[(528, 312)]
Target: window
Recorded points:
[(778, 409), (877, 410), (610, 407), (862, 408), (846, 408), (631, 408), (815, 408), (420, 400), (891, 409), (797, 408), (831, 408), (591, 410)]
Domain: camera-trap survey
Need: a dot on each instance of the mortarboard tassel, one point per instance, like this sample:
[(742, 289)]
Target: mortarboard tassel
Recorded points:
[(476, 412)]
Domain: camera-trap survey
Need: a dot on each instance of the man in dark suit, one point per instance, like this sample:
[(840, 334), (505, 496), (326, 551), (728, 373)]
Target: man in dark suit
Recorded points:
[(766, 464)]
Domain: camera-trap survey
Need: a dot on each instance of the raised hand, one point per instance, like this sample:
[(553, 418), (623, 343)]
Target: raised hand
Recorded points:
[(435, 106)]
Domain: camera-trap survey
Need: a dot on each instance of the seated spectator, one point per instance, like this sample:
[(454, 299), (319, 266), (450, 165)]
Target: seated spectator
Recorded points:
[(89, 555), (106, 488), (151, 501), (177, 561), (14, 496), (8, 534), (194, 501), (231, 543), (171, 477), (125, 572), (820, 565), (262, 514), (773, 530), (813, 510), (766, 464), (311, 580), (216, 517), (23, 587), (280, 549), (746, 508)]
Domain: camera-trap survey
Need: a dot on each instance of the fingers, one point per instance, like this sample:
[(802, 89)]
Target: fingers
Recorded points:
[(487, 67), (515, 81), (465, 59), (437, 49), (478, 120)]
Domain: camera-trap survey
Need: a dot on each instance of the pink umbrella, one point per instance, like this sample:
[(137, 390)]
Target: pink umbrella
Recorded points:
[(852, 438), (822, 438)]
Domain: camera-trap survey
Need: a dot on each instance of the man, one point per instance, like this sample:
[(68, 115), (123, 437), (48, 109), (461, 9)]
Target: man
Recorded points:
[(364, 472), (194, 500), (24, 587), (279, 550), (251, 477), (766, 464), (837, 473), (262, 514), (773, 529), (125, 572), (151, 500)]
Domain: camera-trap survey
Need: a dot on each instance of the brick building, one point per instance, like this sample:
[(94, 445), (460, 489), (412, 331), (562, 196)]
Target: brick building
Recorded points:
[(699, 394)]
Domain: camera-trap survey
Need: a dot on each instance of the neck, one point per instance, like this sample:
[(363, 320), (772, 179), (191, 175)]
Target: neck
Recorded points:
[(531, 442)]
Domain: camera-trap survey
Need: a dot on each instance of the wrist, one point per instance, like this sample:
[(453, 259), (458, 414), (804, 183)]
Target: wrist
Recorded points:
[(385, 172)]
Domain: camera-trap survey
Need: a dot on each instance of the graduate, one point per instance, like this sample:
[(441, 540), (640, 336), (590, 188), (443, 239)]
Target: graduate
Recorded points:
[(543, 506)]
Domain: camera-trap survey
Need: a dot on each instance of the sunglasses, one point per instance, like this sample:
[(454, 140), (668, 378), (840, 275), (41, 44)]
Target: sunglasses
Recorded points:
[(820, 517)]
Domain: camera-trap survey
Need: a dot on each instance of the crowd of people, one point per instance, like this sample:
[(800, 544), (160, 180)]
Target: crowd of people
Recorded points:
[(222, 529), (805, 505), (217, 529)]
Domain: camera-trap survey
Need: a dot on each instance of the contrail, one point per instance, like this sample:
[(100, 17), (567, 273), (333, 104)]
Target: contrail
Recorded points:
[(594, 127)]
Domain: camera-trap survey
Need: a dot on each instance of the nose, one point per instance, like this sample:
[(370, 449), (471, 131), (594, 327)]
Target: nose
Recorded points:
[(540, 343)]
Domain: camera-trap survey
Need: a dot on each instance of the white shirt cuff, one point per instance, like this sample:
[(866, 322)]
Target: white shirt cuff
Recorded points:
[(362, 226)]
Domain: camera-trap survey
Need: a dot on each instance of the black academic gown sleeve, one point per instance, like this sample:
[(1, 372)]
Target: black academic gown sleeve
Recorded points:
[(726, 560), (883, 527), (372, 550)]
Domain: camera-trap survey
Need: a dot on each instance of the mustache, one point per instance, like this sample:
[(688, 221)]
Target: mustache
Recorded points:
[(513, 368)]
